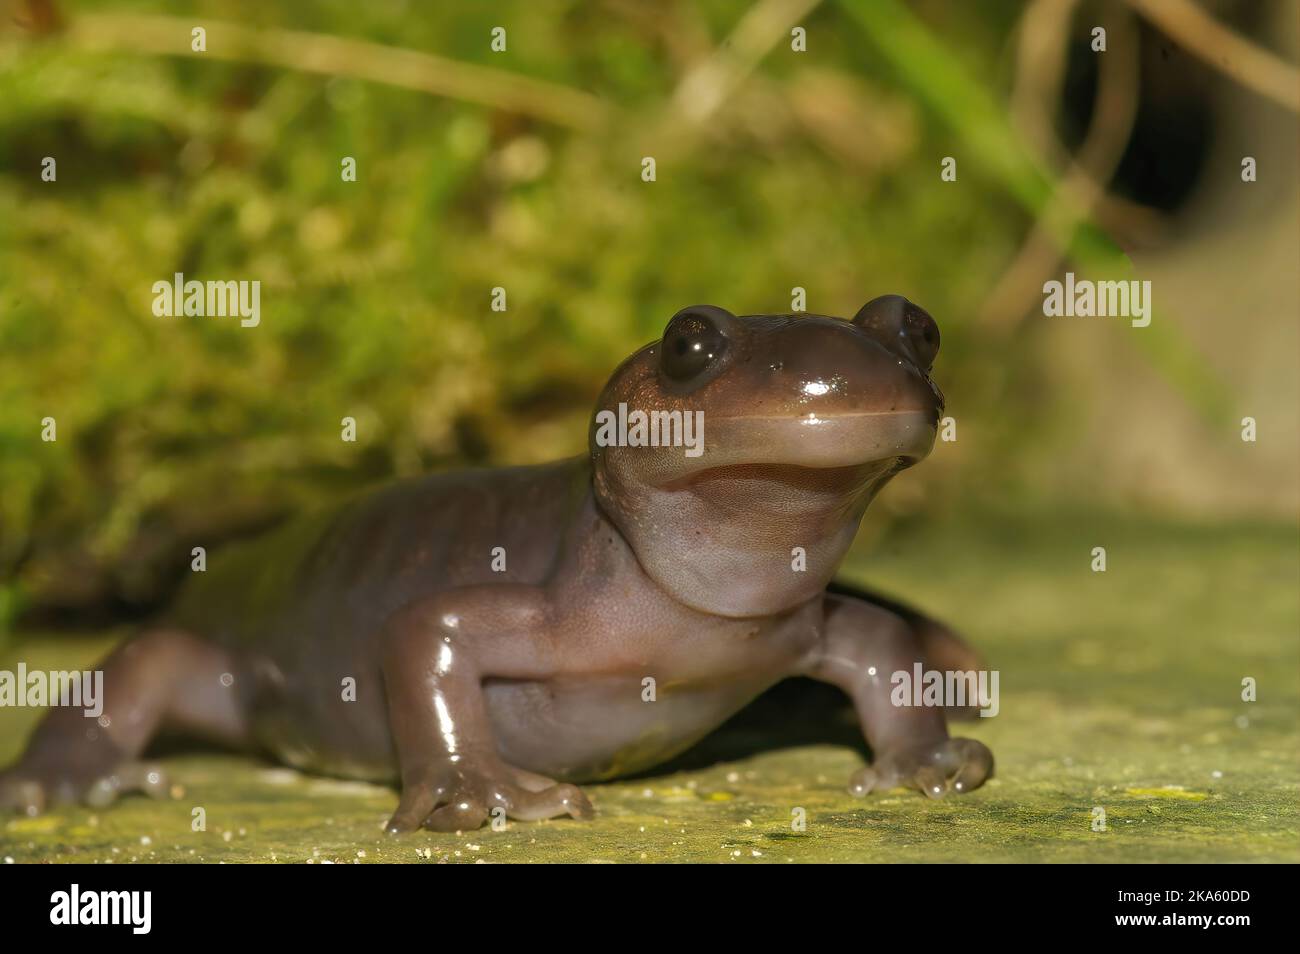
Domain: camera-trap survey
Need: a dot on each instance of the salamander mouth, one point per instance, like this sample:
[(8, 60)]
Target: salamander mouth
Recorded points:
[(804, 450), (830, 480), (789, 490)]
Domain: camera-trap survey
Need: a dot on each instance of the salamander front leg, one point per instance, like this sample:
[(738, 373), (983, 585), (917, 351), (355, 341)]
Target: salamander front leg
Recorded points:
[(436, 655)]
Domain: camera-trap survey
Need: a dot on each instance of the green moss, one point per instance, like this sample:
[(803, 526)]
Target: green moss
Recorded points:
[(1120, 691)]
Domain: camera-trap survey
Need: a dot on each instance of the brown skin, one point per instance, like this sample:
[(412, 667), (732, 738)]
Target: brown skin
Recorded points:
[(485, 691)]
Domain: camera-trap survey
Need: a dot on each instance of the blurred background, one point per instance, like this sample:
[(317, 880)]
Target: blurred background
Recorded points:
[(776, 169)]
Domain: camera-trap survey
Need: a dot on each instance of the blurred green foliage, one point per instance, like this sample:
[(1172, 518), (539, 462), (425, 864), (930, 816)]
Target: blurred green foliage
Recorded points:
[(818, 171)]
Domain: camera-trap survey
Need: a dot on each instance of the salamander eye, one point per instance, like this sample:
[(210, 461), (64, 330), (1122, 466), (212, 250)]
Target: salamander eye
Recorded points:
[(922, 333), (902, 326), (694, 341)]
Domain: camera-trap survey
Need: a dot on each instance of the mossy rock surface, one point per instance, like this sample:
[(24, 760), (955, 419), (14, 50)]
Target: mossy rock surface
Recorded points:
[(1119, 690)]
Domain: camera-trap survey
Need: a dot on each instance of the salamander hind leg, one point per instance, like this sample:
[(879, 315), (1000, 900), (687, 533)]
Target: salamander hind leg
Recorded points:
[(164, 677)]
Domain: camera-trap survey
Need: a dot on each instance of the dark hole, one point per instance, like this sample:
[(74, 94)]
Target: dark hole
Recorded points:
[(1174, 126)]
